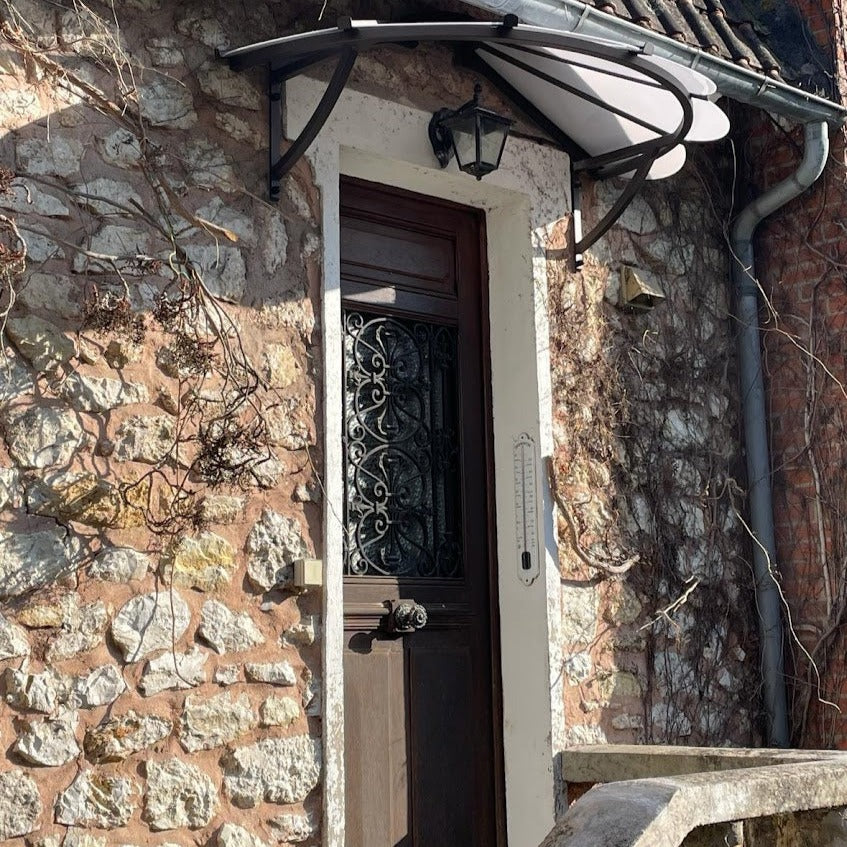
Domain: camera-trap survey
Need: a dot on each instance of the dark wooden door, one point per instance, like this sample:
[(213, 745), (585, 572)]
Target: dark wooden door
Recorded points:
[(422, 738)]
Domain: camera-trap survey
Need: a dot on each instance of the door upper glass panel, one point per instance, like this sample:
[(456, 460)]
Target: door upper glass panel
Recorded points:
[(402, 500)]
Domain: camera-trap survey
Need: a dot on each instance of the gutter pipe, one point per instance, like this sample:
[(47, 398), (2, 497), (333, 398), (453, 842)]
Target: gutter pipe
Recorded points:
[(816, 113), (745, 283), (732, 80)]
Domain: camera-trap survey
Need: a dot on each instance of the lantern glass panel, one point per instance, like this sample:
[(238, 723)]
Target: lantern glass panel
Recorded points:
[(464, 143), (493, 140)]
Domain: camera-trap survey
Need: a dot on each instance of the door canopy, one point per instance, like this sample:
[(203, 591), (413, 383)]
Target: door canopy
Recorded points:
[(617, 109)]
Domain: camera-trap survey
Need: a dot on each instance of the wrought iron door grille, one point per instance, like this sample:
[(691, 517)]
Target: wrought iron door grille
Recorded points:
[(402, 498)]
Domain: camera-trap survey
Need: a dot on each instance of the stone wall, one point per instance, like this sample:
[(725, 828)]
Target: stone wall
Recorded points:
[(158, 456), (659, 628)]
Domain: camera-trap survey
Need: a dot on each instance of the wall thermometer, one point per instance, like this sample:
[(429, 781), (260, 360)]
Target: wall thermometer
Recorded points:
[(526, 507)]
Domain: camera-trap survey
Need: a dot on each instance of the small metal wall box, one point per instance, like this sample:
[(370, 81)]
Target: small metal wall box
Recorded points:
[(308, 573), (638, 293)]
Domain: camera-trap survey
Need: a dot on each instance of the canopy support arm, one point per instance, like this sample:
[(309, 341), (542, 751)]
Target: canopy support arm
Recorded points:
[(608, 220), (279, 167)]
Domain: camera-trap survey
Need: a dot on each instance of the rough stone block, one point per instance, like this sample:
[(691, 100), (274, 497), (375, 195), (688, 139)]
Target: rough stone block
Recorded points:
[(580, 606), (205, 562), (40, 342), (33, 559), (221, 508), (231, 835), (100, 394), (150, 622), (145, 438), (178, 795), (40, 247), (279, 711), (101, 687), (120, 737), (208, 166), (279, 366), (292, 828), (49, 743), (81, 497), (25, 197), (228, 87), (56, 294), (81, 632), (13, 640), (121, 148), (39, 692), (167, 102), (174, 671), (275, 541), (228, 631), (275, 770), (302, 634), (105, 196), (165, 52), (20, 805), (273, 673), (116, 249), (56, 156), (239, 130), (211, 723), (223, 215), (96, 799), (199, 25), (119, 564), (222, 269)]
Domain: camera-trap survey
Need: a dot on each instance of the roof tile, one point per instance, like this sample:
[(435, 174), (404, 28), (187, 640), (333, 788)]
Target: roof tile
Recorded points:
[(737, 30)]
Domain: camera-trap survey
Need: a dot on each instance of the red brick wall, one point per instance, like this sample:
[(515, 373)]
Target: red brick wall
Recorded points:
[(802, 266)]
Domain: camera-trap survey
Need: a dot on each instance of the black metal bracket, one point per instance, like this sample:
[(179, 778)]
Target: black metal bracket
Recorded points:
[(619, 207), (281, 164), (276, 87), (440, 138)]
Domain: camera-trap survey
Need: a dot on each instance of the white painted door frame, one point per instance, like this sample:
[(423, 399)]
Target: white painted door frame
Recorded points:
[(386, 142)]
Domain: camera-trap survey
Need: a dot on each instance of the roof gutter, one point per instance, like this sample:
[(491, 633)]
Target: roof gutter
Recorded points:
[(732, 80)]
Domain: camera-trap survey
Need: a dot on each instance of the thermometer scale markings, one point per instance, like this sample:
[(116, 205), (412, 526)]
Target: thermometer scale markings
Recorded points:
[(526, 507)]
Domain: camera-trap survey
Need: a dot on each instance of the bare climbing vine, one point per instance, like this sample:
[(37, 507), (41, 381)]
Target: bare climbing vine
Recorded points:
[(643, 477), (220, 433)]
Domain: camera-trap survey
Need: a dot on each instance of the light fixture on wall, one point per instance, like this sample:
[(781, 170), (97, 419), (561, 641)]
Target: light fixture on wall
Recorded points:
[(474, 135)]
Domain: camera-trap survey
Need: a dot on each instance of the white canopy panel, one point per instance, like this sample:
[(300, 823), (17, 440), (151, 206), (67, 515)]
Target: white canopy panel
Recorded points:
[(605, 106)]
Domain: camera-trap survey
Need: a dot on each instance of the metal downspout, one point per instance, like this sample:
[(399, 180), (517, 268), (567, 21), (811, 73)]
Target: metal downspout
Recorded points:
[(746, 288)]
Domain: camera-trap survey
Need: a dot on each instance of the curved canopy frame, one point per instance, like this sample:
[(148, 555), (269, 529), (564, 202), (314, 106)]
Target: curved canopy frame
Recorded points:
[(292, 55)]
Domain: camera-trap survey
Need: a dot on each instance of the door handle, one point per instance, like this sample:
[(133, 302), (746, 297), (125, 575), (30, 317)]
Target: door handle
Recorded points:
[(404, 616)]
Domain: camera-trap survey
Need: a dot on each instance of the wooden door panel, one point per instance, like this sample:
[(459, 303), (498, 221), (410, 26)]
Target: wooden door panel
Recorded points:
[(418, 260), (375, 742), (441, 734)]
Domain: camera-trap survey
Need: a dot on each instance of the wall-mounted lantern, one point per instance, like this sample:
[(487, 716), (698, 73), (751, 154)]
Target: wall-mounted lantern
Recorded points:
[(474, 135)]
